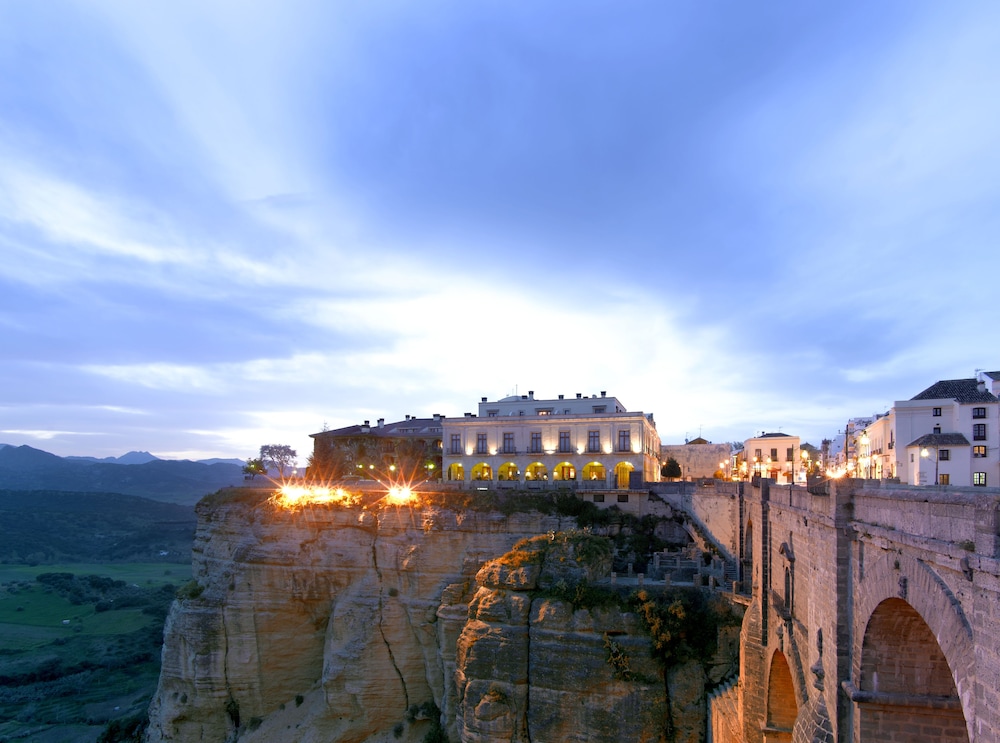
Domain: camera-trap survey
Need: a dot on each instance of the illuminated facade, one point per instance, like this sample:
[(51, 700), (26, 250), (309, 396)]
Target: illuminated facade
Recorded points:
[(949, 434), (584, 442), (773, 455)]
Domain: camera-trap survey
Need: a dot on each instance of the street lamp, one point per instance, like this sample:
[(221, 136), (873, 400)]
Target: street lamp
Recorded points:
[(924, 454)]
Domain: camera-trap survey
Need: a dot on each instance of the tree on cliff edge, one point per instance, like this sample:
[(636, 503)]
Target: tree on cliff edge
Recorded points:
[(279, 456)]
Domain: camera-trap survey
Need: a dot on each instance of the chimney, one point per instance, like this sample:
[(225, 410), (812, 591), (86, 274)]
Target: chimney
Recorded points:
[(981, 385), (484, 399), (366, 427), (578, 396), (604, 393), (381, 422), (531, 394), (561, 397), (524, 397), (437, 416)]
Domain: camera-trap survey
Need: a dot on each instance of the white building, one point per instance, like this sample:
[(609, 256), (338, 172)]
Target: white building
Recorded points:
[(587, 441), (777, 456), (949, 434)]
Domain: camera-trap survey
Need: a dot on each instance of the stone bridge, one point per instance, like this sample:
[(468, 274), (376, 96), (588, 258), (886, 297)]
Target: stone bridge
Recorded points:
[(873, 614)]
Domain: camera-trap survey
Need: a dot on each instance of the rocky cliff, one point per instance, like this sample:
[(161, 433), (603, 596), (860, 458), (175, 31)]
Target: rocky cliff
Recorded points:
[(383, 623)]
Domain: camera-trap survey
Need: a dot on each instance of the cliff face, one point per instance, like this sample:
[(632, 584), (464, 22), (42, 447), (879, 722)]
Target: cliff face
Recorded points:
[(352, 624), (321, 623)]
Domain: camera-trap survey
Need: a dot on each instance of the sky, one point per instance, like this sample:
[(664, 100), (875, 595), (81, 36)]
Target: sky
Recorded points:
[(228, 224)]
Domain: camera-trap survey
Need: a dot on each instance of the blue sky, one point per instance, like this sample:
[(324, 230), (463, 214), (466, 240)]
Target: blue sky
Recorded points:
[(224, 225)]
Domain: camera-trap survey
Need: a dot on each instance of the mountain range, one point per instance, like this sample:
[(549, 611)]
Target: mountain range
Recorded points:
[(135, 473)]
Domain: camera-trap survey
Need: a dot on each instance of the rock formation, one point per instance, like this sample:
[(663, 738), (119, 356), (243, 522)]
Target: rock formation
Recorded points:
[(384, 623)]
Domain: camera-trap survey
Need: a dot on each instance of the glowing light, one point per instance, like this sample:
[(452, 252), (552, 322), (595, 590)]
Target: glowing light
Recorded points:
[(293, 496), (399, 495)]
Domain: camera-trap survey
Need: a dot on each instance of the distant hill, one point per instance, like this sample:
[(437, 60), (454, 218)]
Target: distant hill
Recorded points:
[(172, 481), (48, 527), (132, 457)]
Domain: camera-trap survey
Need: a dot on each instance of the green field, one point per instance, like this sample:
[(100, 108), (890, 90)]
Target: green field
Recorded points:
[(79, 646)]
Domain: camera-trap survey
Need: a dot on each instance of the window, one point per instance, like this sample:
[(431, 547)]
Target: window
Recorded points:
[(598, 497), (790, 454), (979, 412), (623, 497), (756, 454), (774, 455), (624, 440), (593, 440), (937, 429), (979, 479), (543, 411), (600, 408), (564, 441), (492, 413), (508, 444), (536, 442), (456, 443), (979, 432), (944, 455), (944, 479), (481, 447), (936, 412), (978, 452)]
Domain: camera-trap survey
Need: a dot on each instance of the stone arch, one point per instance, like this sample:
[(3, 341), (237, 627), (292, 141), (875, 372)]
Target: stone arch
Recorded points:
[(782, 706), (623, 472), (932, 619), (595, 471), (456, 471), (564, 471), (508, 471), (536, 471), (905, 682), (482, 471)]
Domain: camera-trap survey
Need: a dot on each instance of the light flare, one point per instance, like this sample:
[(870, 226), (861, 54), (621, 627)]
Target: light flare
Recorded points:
[(293, 496), (400, 495)]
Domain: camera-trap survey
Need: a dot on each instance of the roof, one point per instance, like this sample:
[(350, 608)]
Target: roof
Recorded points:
[(775, 435), (409, 427), (940, 439), (963, 391), (698, 440)]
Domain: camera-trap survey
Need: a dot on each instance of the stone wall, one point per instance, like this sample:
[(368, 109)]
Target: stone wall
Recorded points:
[(876, 606)]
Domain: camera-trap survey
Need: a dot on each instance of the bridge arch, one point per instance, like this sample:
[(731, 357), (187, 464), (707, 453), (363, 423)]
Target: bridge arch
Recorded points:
[(912, 654), (782, 705)]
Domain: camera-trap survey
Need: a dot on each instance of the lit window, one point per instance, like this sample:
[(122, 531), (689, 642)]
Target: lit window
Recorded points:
[(979, 479), (978, 452), (944, 479)]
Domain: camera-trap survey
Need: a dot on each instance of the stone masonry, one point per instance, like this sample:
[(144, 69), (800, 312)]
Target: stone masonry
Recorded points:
[(873, 615)]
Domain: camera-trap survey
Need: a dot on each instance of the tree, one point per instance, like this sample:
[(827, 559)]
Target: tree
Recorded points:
[(323, 463), (280, 456), (254, 467), (672, 468)]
